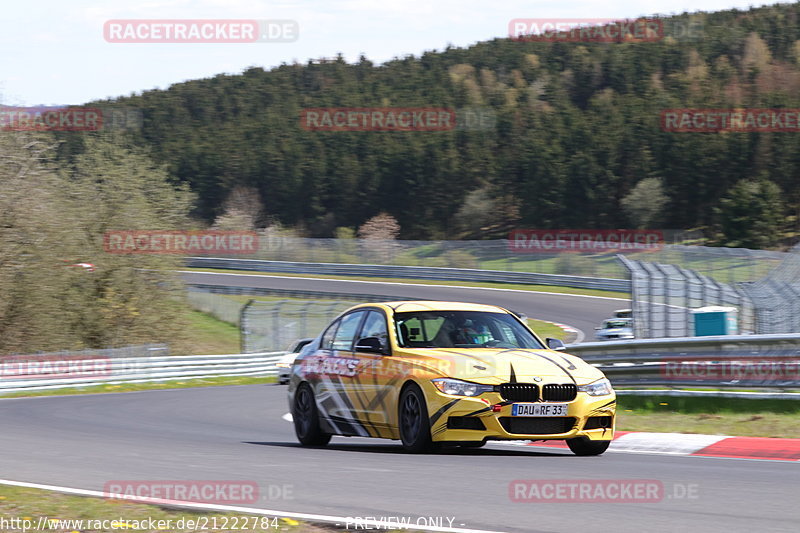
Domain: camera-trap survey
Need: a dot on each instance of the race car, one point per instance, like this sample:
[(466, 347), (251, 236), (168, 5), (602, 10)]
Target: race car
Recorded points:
[(434, 374)]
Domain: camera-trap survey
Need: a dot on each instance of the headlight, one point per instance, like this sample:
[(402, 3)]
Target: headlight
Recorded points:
[(283, 365), (457, 387), (601, 387)]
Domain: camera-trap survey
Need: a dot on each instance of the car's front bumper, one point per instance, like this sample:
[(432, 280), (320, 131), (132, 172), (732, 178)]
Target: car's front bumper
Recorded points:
[(593, 417)]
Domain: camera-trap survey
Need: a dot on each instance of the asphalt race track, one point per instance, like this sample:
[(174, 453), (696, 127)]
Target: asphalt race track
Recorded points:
[(237, 433), (582, 312)]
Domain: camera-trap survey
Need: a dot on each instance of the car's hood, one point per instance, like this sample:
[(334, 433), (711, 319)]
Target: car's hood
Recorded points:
[(494, 366)]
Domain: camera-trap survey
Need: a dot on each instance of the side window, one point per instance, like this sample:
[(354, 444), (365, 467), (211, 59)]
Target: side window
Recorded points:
[(327, 339), (345, 334), (375, 326)]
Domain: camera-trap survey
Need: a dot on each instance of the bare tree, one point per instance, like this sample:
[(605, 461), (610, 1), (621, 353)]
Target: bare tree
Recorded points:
[(242, 210), (380, 227), (378, 235)]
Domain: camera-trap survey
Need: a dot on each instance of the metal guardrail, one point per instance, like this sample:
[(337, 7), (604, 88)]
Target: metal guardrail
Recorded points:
[(143, 369), (290, 293), (720, 345), (411, 272), (736, 361), (711, 362)]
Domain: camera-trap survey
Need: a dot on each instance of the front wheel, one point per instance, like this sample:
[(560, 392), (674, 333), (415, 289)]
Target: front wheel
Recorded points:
[(583, 446), (415, 429), (306, 418)]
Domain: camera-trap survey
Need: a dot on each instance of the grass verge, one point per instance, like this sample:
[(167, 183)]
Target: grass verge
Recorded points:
[(156, 385), (514, 286), (709, 416), (208, 335), (547, 329), (61, 512)]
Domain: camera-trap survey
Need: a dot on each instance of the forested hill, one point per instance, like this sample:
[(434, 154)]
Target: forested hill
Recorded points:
[(577, 127)]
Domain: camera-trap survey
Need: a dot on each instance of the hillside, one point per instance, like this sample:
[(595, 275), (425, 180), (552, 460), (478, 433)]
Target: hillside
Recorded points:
[(576, 127)]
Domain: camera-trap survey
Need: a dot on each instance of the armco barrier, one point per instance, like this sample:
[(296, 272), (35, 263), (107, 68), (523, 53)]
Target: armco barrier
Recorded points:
[(626, 363), (144, 369), (411, 272), (291, 293), (733, 361)]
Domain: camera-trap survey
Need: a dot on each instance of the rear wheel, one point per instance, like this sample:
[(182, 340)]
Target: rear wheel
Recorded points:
[(584, 446), (415, 429), (306, 418)]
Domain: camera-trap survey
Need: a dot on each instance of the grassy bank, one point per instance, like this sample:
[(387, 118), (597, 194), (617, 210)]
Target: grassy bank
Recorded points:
[(710, 416), (98, 514), (514, 286), (209, 336)]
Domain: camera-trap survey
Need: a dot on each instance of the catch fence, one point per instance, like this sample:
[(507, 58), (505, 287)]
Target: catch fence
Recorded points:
[(664, 295), (726, 265)]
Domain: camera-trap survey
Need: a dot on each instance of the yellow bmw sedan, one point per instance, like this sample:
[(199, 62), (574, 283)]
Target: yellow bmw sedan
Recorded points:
[(434, 374)]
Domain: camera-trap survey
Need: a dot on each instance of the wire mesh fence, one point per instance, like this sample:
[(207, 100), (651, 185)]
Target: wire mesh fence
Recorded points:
[(221, 308), (274, 325), (727, 265), (139, 350), (667, 284), (663, 297), (776, 297)]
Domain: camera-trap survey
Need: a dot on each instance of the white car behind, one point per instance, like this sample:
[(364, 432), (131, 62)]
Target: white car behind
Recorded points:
[(615, 328), (284, 364)]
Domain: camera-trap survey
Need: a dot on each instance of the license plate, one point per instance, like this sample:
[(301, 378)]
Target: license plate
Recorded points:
[(539, 409)]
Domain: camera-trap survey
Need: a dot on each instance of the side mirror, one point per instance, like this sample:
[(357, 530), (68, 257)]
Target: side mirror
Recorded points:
[(555, 344), (369, 345)]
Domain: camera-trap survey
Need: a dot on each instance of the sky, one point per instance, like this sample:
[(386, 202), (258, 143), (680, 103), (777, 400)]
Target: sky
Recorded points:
[(53, 52)]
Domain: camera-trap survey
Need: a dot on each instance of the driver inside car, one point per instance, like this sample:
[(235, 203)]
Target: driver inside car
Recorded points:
[(468, 332)]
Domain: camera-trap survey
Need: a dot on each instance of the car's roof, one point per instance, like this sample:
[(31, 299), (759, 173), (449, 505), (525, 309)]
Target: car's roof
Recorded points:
[(425, 305)]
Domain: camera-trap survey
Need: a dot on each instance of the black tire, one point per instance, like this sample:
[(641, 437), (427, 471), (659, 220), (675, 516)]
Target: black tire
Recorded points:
[(306, 418), (583, 446), (415, 428)]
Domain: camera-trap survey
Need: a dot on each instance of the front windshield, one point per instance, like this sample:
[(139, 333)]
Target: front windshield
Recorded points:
[(462, 329), (617, 324)]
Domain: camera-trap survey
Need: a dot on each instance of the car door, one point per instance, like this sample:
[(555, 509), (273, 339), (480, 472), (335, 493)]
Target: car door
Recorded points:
[(370, 389), (338, 369)]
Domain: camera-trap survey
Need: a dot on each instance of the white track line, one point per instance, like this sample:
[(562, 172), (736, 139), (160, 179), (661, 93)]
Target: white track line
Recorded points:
[(407, 284), (337, 520)]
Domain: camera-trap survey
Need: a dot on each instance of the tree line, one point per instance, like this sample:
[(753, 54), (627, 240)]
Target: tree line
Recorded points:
[(576, 139)]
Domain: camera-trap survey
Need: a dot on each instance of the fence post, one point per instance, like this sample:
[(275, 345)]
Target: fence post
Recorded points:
[(243, 331)]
